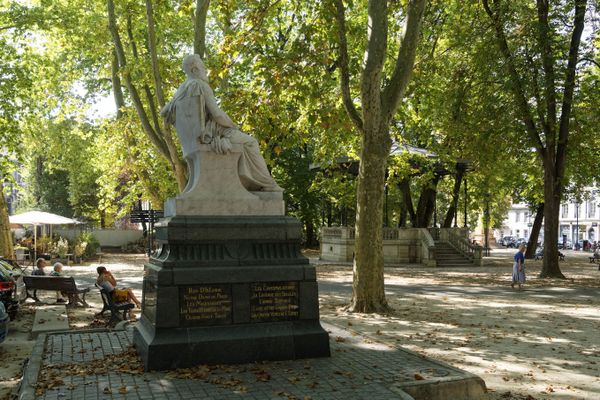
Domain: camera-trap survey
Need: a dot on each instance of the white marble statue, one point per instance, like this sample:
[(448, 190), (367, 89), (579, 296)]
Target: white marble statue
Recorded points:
[(198, 119)]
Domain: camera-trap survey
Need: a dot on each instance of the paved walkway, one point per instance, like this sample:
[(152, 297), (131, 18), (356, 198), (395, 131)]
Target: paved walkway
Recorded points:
[(102, 365)]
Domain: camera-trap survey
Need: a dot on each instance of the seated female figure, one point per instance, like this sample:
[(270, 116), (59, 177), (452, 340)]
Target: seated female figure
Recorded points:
[(107, 281)]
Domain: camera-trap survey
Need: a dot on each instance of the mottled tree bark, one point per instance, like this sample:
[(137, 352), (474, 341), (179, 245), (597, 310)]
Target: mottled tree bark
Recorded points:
[(200, 27), (421, 217), (373, 122), (161, 139), (535, 232), (426, 205), (6, 243), (458, 178), (549, 135), (407, 202)]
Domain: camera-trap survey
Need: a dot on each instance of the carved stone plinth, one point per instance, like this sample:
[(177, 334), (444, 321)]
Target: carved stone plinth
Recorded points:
[(219, 190), (228, 290)]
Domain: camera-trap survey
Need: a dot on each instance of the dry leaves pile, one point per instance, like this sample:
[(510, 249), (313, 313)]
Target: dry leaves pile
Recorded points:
[(128, 362), (51, 376), (232, 377)]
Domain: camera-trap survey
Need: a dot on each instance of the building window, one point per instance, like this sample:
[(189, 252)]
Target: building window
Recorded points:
[(591, 208), (565, 210), (517, 216)]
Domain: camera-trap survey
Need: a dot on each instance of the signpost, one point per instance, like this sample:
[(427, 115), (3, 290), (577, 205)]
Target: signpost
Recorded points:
[(149, 217)]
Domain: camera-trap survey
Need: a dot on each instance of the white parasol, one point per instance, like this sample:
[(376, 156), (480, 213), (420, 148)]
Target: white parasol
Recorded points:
[(36, 218)]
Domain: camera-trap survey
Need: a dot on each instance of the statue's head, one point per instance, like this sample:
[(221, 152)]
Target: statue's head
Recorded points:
[(193, 66)]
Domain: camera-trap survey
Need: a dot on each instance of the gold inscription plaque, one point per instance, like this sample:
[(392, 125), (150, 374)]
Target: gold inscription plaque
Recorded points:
[(274, 301), (205, 305)]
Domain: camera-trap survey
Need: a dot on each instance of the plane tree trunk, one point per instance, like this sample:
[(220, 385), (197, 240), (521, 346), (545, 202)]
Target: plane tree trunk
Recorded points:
[(458, 178), (378, 105), (6, 243), (547, 130), (535, 232)]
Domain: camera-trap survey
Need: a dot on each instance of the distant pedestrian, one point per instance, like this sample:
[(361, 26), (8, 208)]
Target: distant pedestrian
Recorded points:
[(518, 275)]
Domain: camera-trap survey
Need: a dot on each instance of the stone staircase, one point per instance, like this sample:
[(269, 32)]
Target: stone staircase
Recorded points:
[(448, 257)]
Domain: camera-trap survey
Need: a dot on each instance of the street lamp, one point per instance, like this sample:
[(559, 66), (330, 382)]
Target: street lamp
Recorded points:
[(576, 244), (466, 201)]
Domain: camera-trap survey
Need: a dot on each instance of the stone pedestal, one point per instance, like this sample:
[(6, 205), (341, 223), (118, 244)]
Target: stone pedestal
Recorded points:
[(231, 287), (228, 290), (220, 191)]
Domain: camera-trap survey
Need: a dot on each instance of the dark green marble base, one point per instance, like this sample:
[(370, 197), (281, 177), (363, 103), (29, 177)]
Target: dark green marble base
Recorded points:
[(228, 290), (168, 348)]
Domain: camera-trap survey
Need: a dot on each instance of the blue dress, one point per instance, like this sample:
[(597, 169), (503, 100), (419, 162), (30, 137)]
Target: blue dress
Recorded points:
[(518, 276)]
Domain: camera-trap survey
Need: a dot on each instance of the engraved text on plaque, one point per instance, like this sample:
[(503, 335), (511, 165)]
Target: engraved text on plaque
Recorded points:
[(273, 301), (205, 305)]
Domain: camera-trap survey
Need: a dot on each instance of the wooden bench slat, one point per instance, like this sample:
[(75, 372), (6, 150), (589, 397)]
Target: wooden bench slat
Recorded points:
[(114, 308), (63, 284)]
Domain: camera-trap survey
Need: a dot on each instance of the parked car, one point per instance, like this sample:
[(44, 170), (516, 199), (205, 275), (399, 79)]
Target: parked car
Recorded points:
[(3, 323), (16, 272), (8, 289), (508, 241), (567, 245), (520, 241)]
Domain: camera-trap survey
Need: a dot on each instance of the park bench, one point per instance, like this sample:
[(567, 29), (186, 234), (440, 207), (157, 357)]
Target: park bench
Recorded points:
[(62, 284), (114, 308), (540, 256), (594, 260)]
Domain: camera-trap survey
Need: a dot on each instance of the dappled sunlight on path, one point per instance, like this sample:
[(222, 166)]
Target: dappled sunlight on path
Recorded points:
[(541, 342)]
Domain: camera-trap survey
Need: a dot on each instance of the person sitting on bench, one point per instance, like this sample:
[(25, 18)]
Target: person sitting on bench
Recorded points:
[(107, 281), (40, 263), (58, 272)]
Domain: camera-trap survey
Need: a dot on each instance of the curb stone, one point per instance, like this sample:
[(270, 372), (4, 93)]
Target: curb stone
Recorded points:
[(32, 369)]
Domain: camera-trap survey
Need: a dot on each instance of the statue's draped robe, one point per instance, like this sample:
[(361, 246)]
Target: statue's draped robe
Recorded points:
[(195, 115)]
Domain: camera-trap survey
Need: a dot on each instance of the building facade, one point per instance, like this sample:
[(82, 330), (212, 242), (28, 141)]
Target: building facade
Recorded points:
[(578, 221)]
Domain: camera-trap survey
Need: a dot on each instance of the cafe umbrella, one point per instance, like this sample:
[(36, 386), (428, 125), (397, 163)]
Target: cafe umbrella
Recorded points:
[(37, 218)]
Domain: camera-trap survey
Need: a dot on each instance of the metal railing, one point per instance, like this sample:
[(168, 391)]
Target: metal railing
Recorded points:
[(462, 244), (390, 234)]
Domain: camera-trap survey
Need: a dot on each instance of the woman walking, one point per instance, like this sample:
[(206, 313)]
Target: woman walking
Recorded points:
[(518, 275)]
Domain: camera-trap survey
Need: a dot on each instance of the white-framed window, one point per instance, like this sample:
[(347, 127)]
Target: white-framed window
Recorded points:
[(517, 215), (565, 211)]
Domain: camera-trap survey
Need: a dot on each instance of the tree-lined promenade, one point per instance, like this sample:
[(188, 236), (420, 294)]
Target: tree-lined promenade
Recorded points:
[(510, 86), (538, 343)]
